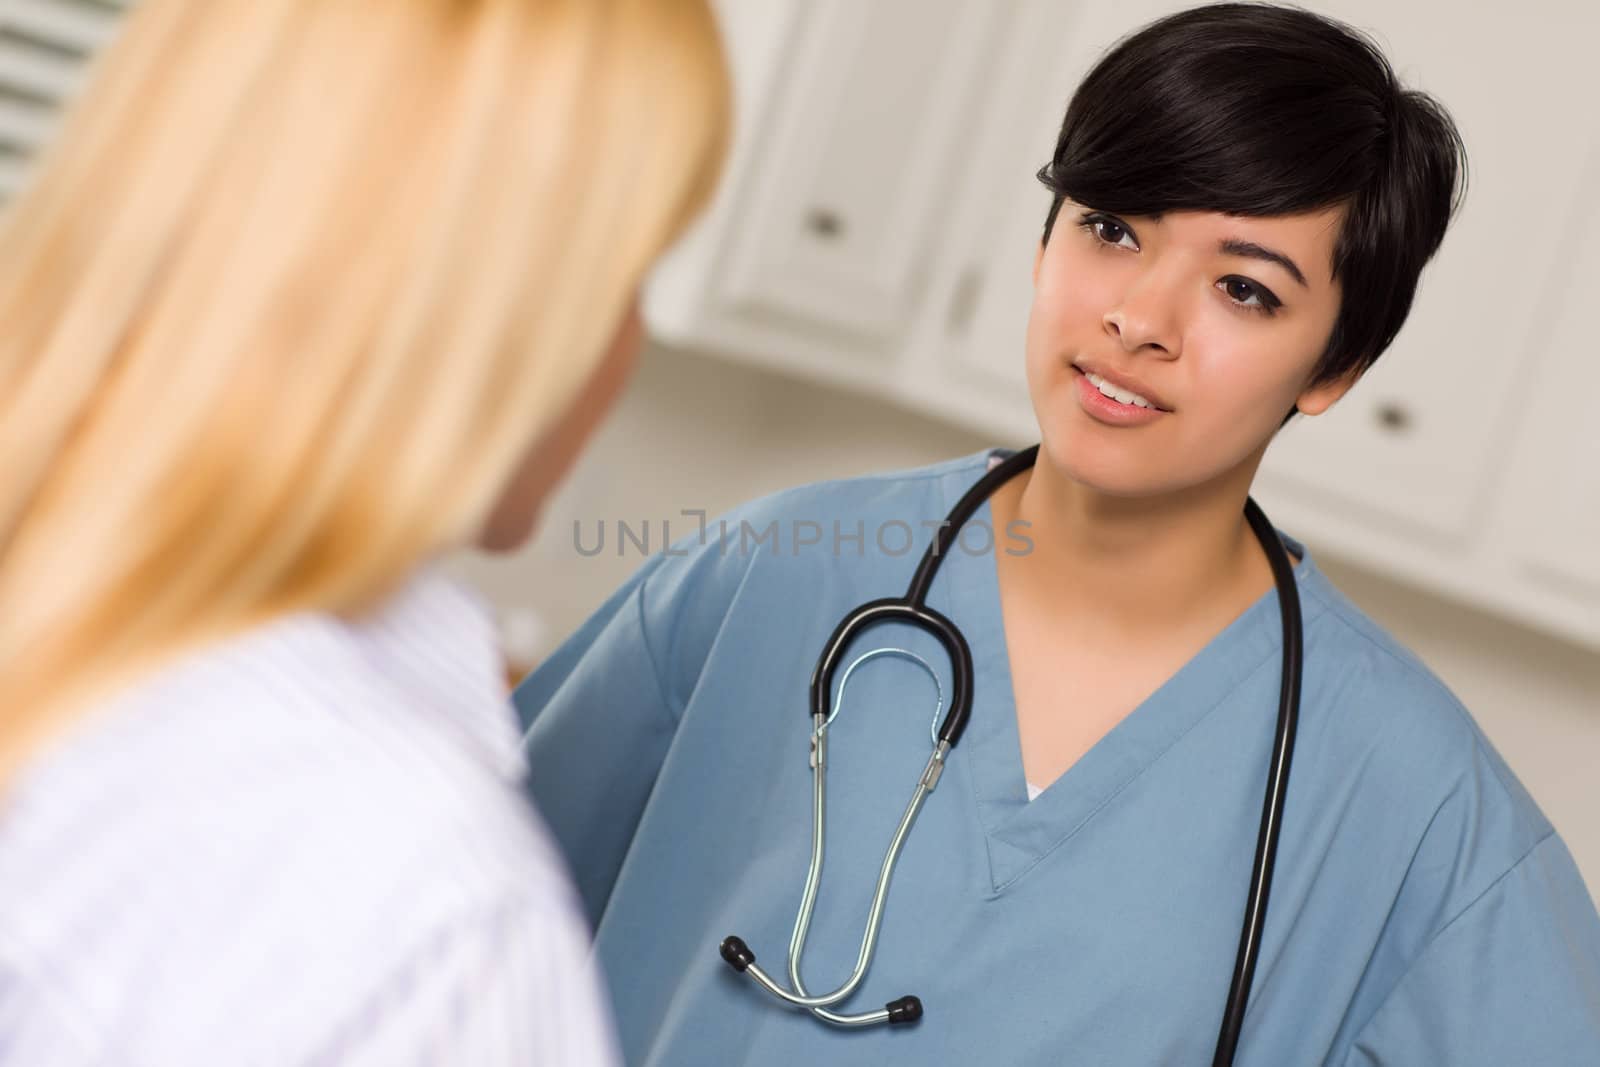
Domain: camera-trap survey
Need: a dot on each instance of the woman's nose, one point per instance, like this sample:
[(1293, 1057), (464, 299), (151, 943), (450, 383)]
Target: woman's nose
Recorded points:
[(1145, 318)]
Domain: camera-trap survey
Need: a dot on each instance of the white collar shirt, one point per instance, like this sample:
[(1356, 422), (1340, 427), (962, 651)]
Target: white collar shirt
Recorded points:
[(308, 844)]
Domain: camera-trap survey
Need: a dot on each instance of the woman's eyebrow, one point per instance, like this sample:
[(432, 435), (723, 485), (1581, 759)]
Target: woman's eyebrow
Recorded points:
[(1234, 247)]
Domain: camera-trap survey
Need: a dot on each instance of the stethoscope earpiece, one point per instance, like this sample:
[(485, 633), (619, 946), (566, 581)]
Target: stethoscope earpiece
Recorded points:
[(736, 952), (905, 1010)]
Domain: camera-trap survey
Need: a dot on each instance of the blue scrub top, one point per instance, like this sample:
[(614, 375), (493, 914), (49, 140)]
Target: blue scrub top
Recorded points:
[(1423, 910)]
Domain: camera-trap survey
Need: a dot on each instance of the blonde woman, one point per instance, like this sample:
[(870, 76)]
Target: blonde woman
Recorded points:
[(308, 293)]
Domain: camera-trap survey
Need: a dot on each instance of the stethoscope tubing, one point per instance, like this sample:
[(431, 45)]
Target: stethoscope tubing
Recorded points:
[(1255, 909)]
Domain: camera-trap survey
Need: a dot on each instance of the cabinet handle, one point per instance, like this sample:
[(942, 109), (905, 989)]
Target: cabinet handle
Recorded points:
[(1394, 417), (964, 301), (824, 223)]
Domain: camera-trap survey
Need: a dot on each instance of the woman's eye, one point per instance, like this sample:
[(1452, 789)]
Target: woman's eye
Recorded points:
[(1109, 231), (1249, 296), (1113, 233)]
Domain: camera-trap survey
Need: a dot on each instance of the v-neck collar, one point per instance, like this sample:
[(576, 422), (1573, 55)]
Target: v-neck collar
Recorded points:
[(1018, 833)]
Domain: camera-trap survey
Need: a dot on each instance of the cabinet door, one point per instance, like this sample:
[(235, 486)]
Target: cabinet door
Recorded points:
[(1411, 447), (1549, 490), (856, 159), (965, 360), (847, 152)]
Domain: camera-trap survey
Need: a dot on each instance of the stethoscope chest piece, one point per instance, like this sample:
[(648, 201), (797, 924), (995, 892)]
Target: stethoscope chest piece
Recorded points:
[(825, 708)]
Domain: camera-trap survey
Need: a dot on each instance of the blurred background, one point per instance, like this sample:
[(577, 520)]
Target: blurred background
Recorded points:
[(855, 301)]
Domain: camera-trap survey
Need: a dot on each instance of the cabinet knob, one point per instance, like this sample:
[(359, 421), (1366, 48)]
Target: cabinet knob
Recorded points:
[(1394, 417), (824, 223)]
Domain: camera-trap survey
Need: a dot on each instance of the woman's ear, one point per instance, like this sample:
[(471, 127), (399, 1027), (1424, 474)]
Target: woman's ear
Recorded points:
[(1316, 399)]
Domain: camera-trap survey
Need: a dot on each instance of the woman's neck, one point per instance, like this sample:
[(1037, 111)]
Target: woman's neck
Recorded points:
[(1134, 565)]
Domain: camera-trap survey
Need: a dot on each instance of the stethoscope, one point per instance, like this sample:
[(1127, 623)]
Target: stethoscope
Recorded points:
[(912, 609)]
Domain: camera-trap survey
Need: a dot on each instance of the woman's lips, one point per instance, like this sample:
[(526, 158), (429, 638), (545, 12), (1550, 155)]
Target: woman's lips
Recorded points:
[(1109, 410)]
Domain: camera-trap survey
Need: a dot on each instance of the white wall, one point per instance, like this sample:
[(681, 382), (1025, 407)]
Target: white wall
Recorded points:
[(694, 432)]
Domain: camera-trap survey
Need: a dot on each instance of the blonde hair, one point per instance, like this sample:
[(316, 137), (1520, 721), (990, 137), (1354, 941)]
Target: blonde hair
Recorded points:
[(297, 287)]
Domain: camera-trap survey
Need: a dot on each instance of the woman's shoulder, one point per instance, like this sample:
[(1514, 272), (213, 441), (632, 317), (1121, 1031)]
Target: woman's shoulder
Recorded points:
[(1471, 895), (768, 554), (798, 533), (412, 689), (892, 493), (1389, 730), (293, 796), (1378, 683)]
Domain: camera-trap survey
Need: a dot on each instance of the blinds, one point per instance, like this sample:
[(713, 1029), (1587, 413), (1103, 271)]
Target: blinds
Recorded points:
[(45, 46)]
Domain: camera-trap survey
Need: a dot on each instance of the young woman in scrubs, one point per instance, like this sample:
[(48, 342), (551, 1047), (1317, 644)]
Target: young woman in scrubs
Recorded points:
[(1244, 199)]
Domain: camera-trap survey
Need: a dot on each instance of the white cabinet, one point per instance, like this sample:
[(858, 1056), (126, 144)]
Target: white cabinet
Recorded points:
[(1410, 446), (964, 360), (1465, 462), (1529, 549), (1549, 498), (874, 91), (848, 149), (878, 227)]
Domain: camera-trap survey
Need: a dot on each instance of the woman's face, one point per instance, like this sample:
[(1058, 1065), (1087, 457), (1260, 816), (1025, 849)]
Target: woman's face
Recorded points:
[(551, 457), (1195, 313)]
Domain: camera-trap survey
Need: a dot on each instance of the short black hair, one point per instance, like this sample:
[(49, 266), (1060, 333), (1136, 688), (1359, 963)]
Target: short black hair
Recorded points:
[(1261, 109)]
